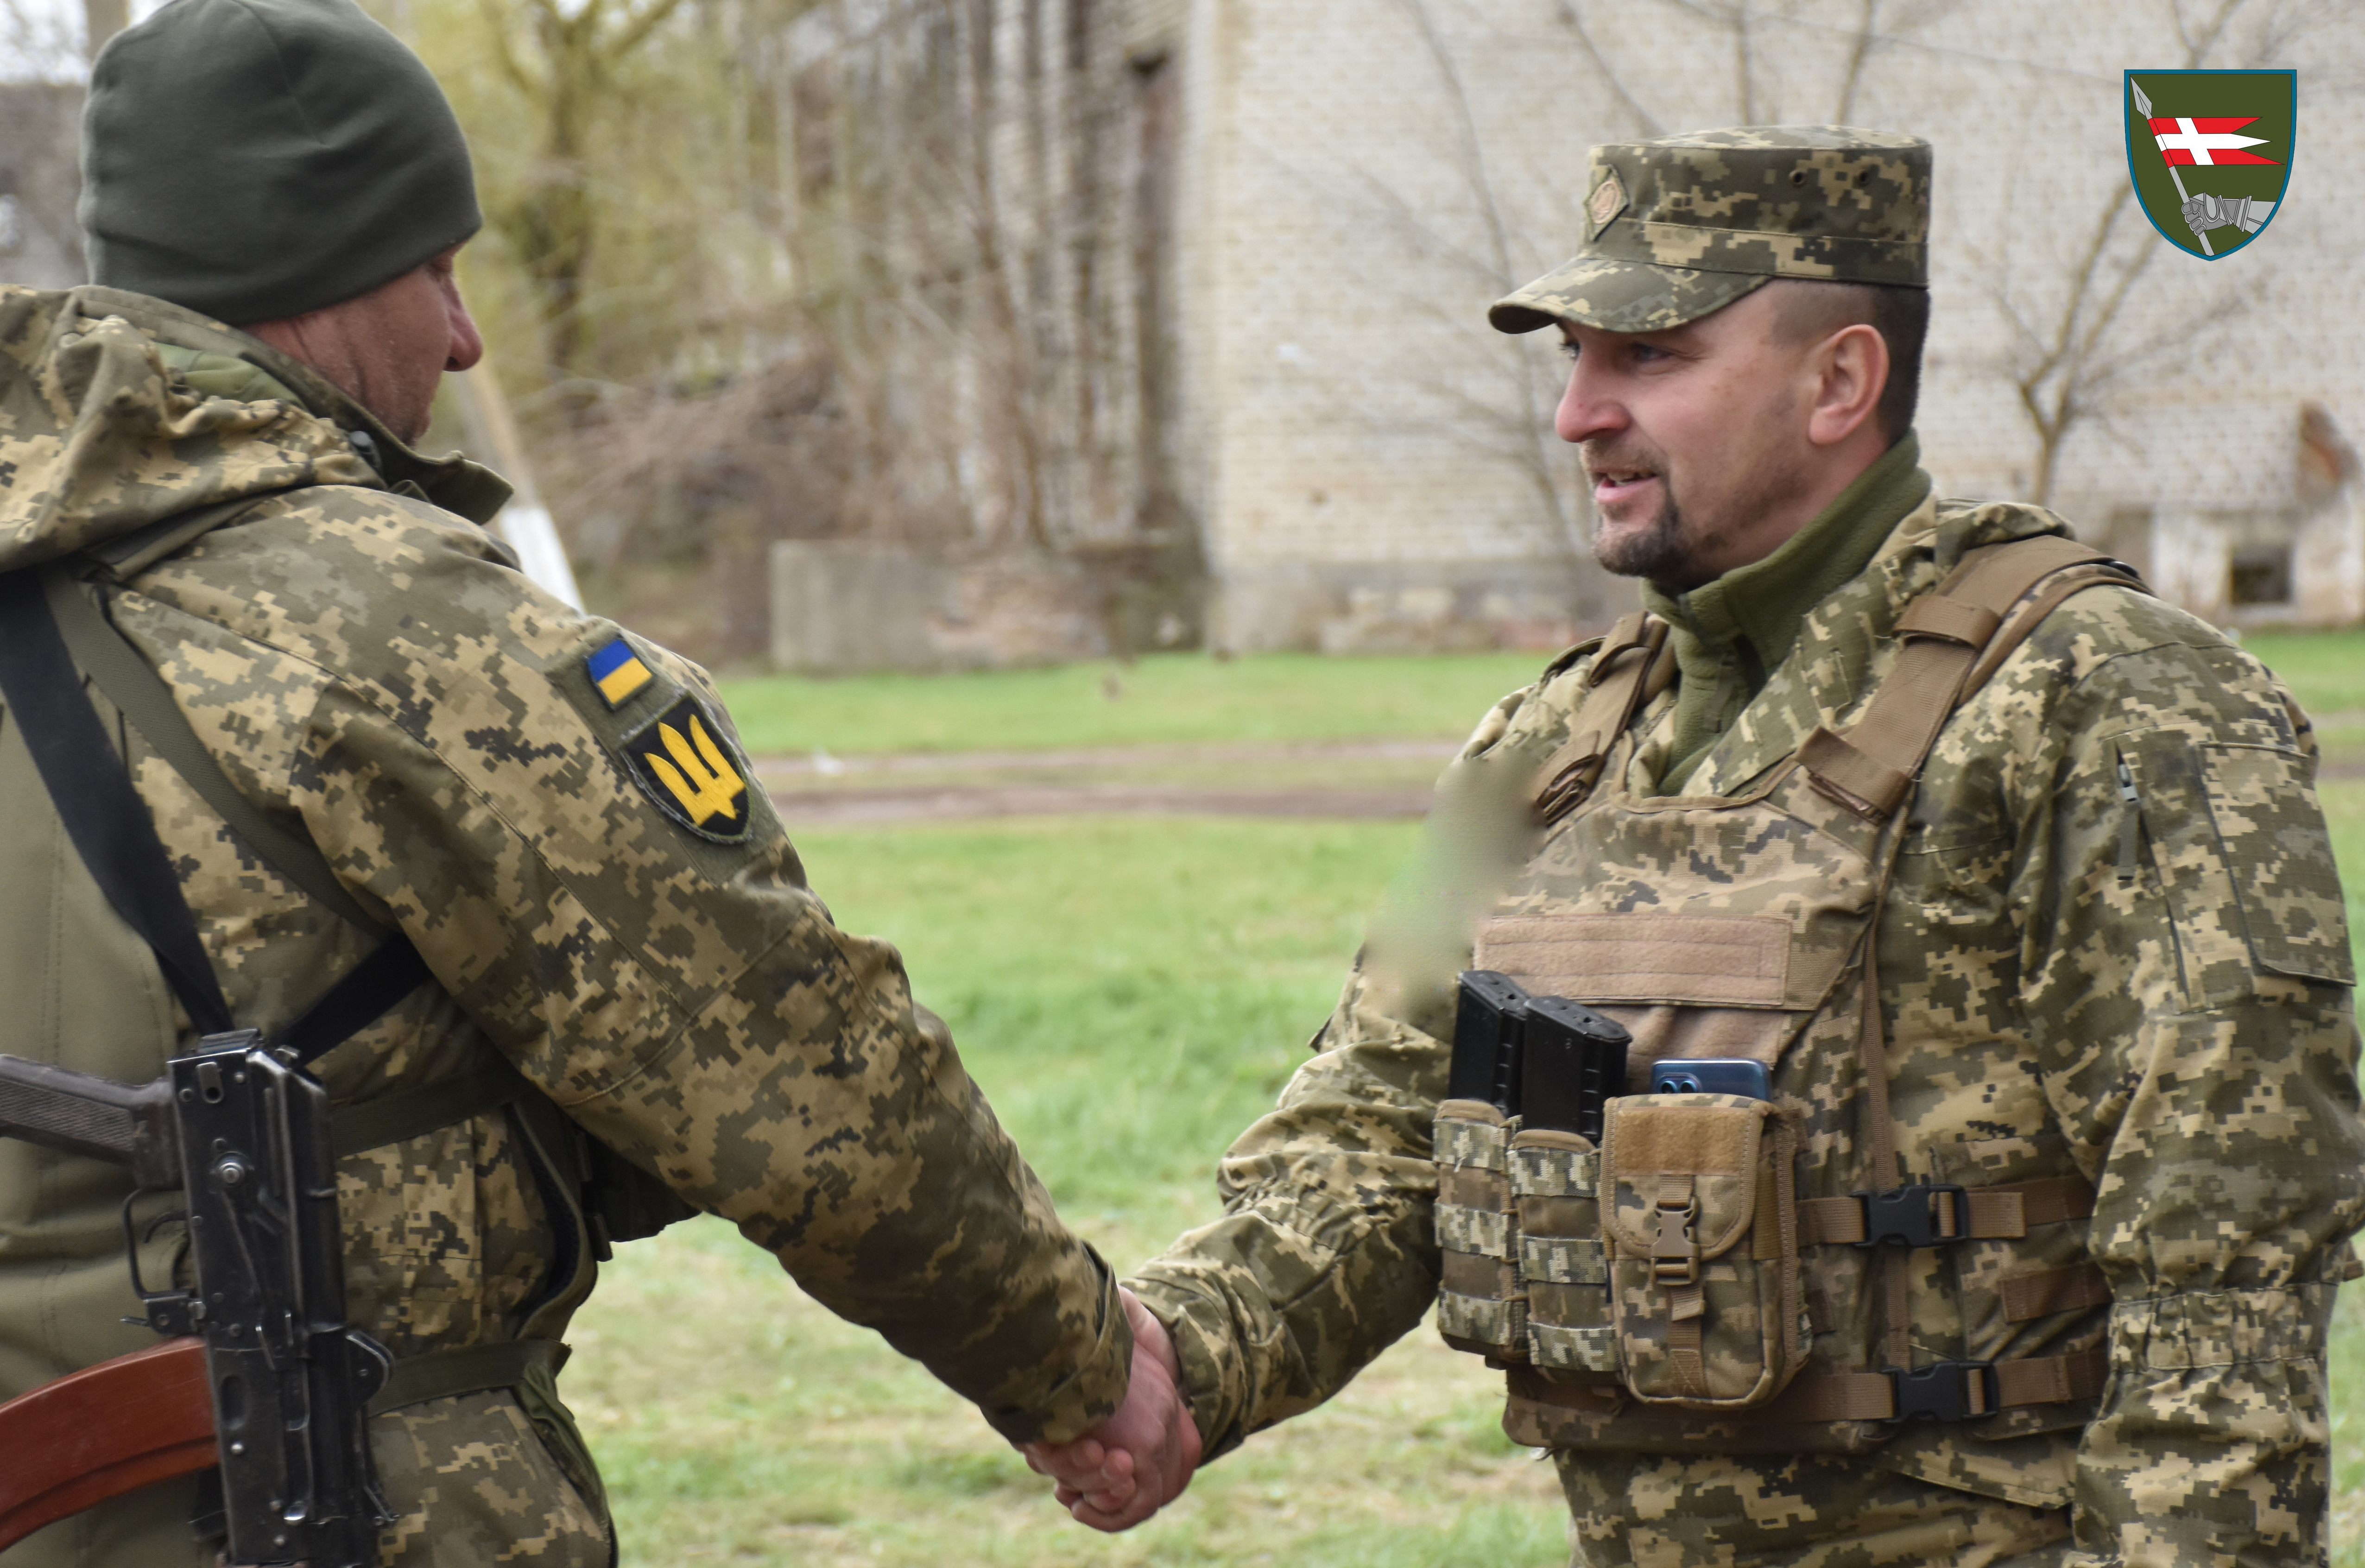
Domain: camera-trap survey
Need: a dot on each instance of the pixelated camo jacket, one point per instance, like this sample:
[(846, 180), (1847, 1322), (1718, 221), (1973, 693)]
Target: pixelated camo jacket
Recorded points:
[(487, 768), (2174, 1024)]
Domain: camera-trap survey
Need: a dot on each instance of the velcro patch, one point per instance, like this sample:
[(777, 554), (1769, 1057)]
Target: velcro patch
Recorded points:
[(617, 673), (684, 761)]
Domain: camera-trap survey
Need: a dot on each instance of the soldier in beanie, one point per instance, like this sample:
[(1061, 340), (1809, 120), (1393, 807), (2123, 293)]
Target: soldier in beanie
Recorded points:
[(1986, 1146), (370, 747)]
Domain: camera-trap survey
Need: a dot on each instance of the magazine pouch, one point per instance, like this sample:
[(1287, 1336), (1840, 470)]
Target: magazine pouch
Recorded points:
[(1698, 1210), (1555, 1186), (1481, 1305)]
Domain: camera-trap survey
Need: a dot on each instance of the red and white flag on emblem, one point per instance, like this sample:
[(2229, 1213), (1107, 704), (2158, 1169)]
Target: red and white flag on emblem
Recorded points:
[(2206, 141)]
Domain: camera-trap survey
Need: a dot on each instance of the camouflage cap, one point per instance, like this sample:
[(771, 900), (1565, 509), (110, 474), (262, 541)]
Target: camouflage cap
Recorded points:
[(1679, 227)]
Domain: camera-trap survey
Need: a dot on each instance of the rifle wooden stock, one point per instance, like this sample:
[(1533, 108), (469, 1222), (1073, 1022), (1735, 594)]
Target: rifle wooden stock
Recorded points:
[(101, 1432)]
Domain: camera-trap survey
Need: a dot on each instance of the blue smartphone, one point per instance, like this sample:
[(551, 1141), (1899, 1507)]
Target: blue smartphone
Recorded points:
[(1711, 1075)]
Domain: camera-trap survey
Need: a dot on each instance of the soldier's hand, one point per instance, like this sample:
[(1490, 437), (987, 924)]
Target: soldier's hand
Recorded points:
[(1142, 1457)]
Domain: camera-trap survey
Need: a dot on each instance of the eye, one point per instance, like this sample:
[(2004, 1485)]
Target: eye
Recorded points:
[(1568, 348)]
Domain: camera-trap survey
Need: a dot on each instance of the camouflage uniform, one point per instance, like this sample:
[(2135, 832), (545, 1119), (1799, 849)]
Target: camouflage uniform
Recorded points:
[(2112, 950), (370, 667)]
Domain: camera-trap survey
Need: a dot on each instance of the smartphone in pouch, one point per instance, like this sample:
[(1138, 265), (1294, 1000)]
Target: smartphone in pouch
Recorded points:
[(1489, 1021), (1711, 1075), (1572, 1059)]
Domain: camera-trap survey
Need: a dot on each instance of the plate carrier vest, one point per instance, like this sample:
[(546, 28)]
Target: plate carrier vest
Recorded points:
[(1725, 1274)]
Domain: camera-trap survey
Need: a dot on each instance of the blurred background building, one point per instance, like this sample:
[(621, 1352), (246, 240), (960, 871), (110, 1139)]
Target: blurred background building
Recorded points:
[(870, 332)]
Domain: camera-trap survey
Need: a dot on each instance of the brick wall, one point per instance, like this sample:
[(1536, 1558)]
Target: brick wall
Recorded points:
[(1361, 177)]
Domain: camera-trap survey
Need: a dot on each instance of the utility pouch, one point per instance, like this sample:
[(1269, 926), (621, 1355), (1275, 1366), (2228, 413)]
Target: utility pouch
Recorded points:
[(1481, 1305), (1555, 1188), (1700, 1211)]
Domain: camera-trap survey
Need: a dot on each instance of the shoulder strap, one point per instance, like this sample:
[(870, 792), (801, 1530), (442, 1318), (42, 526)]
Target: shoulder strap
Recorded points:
[(47, 624), (1955, 637), (102, 814), (1631, 665), (117, 668), (129, 554)]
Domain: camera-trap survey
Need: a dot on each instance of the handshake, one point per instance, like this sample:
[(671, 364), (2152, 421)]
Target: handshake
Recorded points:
[(1141, 1458)]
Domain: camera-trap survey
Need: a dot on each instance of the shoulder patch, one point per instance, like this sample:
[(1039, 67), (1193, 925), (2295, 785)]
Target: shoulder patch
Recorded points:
[(616, 672), (684, 761)]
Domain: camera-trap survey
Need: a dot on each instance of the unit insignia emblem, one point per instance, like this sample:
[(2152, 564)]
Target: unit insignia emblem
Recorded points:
[(683, 762), (2210, 153)]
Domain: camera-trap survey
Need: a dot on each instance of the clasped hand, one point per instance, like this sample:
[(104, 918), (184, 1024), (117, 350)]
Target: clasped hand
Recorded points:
[(1138, 1459)]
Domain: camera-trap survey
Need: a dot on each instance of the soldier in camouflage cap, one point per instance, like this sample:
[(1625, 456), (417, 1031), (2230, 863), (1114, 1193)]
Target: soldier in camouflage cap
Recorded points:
[(2010, 878), (638, 1007)]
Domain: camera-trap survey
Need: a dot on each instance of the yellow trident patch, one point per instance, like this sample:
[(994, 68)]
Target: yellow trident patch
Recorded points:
[(691, 775)]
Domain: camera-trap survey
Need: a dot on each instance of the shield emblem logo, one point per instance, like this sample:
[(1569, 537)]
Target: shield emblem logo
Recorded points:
[(2210, 153)]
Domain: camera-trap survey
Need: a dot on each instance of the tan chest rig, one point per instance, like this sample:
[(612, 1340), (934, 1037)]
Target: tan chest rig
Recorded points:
[(1724, 1273)]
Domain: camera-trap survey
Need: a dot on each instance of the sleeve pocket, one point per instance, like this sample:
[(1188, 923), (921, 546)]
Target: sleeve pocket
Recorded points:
[(2244, 860)]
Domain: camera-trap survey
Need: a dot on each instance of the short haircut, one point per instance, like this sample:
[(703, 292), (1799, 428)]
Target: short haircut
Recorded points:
[(1812, 310)]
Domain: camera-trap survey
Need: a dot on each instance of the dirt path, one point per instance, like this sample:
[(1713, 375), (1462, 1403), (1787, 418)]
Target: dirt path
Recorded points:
[(1385, 779), (1360, 778)]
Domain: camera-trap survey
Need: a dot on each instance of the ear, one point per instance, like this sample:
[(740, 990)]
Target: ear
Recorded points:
[(1850, 370)]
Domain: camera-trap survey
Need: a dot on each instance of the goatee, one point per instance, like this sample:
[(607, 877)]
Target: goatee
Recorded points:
[(1658, 551)]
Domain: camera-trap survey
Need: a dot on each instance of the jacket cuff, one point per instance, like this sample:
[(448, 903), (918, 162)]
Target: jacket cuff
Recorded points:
[(1200, 1324), (1090, 1393)]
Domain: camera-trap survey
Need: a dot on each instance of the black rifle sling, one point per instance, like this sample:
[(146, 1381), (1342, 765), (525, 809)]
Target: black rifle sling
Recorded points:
[(102, 813), (116, 668), (45, 626)]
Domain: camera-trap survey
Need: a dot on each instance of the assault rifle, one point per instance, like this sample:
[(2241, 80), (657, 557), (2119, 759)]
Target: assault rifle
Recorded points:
[(243, 1134)]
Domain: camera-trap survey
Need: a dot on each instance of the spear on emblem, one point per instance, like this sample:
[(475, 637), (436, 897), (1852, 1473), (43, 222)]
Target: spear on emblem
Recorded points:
[(2209, 142)]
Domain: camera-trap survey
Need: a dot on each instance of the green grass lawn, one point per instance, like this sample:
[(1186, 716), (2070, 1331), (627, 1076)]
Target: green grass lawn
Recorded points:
[(1174, 699), (1167, 699), (1131, 993)]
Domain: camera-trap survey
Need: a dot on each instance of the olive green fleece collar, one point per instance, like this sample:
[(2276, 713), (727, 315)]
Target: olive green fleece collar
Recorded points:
[(1761, 604), (1730, 634)]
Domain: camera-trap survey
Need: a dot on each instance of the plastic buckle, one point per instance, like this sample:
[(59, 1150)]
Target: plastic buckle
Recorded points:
[(1674, 1252), (1940, 1392), (1909, 1216)]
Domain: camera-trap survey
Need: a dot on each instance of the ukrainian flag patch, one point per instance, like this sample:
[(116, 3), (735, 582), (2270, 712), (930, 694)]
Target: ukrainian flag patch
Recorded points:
[(617, 673)]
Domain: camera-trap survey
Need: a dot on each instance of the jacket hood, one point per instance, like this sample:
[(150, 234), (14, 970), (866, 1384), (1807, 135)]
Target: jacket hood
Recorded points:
[(118, 410)]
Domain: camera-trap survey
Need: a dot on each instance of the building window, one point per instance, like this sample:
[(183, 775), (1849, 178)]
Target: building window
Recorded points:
[(2261, 574)]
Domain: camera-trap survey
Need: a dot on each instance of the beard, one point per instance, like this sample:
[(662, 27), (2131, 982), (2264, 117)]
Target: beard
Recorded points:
[(1659, 550)]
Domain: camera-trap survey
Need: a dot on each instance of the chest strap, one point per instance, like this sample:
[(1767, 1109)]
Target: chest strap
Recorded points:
[(1931, 1215), (1943, 1391)]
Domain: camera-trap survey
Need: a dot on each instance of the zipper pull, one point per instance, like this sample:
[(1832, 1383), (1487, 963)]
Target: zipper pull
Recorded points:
[(2130, 824)]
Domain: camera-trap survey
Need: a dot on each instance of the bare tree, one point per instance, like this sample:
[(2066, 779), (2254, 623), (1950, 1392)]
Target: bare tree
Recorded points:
[(563, 60), (1519, 423), (2072, 347)]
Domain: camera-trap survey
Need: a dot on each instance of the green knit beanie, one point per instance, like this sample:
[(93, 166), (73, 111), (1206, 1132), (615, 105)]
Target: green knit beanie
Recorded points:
[(255, 159)]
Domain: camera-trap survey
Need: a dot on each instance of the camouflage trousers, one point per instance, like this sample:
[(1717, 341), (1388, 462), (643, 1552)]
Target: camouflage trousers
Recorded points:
[(1796, 1511)]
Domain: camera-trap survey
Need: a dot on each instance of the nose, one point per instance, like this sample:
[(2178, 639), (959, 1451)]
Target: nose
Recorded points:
[(464, 345), (1586, 412)]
